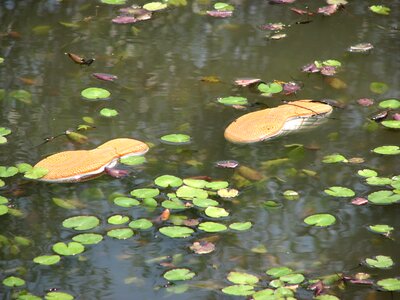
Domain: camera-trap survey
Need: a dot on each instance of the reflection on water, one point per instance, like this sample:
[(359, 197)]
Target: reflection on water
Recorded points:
[(159, 64)]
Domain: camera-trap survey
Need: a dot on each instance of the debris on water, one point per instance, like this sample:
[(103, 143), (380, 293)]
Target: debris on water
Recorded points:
[(359, 201), (246, 81), (220, 13), (80, 60), (365, 101), (360, 48), (231, 164), (379, 116)]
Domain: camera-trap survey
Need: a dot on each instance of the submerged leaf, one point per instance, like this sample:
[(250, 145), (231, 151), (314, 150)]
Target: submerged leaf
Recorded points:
[(176, 138)]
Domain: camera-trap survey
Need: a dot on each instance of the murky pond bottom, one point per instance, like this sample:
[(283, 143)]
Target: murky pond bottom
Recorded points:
[(171, 70)]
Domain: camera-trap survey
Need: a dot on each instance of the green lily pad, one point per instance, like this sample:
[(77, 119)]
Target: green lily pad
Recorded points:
[(174, 203), (233, 100), (36, 173), (339, 191), (4, 131), (394, 124), (154, 6), (145, 193), (216, 212), (332, 63), (13, 281), (201, 202), (3, 209), (239, 290), (270, 88), (114, 2), (380, 261), (390, 103), (176, 138), (242, 278), (176, 231), (2, 183), (212, 227), (390, 284), (387, 150), (141, 224), (223, 6), (265, 294), (88, 238), (196, 183), (72, 248), (383, 197), (150, 202), (240, 226), (118, 219), (320, 220), (23, 167), (291, 195), (279, 271), (47, 259), (81, 222), (108, 112), (380, 9), (294, 278), (22, 241), (120, 233), (381, 228), (8, 171), (168, 181), (276, 283), (3, 200), (217, 185), (3, 140), (58, 296), (367, 173), (326, 297), (94, 93), (378, 181), (133, 160), (187, 192), (334, 158), (27, 296), (21, 95), (126, 201), (179, 274), (378, 87)]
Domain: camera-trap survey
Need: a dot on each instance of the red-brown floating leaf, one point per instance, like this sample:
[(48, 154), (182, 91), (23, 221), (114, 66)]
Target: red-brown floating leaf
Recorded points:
[(365, 101), (28, 81), (359, 201), (14, 34), (362, 281), (191, 222), (105, 76), (272, 26), (301, 11), (310, 68), (124, 20), (116, 173), (231, 164), (328, 10), (202, 247), (165, 215), (220, 13), (281, 1), (396, 117), (328, 70), (80, 60), (317, 287), (290, 88), (239, 107), (246, 81)]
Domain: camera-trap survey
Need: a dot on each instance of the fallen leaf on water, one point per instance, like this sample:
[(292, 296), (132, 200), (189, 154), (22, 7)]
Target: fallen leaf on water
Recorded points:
[(231, 164), (365, 101), (202, 247), (220, 13), (28, 81), (80, 60), (272, 26), (328, 10), (301, 11), (317, 287), (105, 76), (356, 160), (290, 87), (246, 81), (191, 222), (116, 173), (359, 201)]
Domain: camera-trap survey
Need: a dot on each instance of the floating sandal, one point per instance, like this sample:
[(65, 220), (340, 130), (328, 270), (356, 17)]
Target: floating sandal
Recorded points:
[(272, 122), (72, 166)]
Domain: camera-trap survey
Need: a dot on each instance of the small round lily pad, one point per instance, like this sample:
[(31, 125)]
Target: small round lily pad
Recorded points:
[(233, 100), (387, 150), (72, 248), (126, 201), (120, 233), (279, 271), (212, 227), (58, 296), (383, 197), (390, 103), (141, 224), (168, 181), (239, 290), (145, 193), (88, 238), (339, 191), (187, 192), (108, 112), (179, 274), (390, 284), (320, 220), (94, 93), (380, 261), (381, 228), (216, 212), (334, 158), (154, 6), (240, 226), (176, 231), (367, 173), (118, 219), (47, 259), (13, 281), (176, 138), (201, 202), (8, 171), (242, 278), (133, 160), (81, 222)]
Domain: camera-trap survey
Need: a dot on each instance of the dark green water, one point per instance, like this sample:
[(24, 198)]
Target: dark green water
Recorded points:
[(158, 92)]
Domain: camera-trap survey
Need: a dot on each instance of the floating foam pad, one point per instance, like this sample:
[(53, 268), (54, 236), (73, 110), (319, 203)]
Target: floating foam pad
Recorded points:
[(70, 166), (272, 122)]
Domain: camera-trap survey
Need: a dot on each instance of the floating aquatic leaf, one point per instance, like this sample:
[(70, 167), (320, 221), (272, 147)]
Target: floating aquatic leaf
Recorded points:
[(390, 284), (145, 193), (332, 63), (279, 271), (22, 241), (328, 10), (120, 233), (320, 220), (94, 93), (196, 183), (394, 124), (13, 281), (240, 226), (118, 219), (58, 296), (72, 248), (133, 160), (168, 181), (216, 212), (334, 158), (242, 278), (273, 27), (212, 227), (36, 173), (378, 87), (223, 6), (176, 231), (361, 48), (179, 274), (201, 202), (187, 192), (105, 76), (21, 95), (379, 261), (230, 164), (291, 88), (126, 201), (8, 171), (367, 173), (385, 150), (88, 238), (390, 103), (108, 112), (359, 201), (155, 6), (114, 2), (23, 167), (81, 222), (47, 259), (176, 138), (239, 290), (365, 101), (264, 294), (381, 228), (150, 202), (174, 203), (233, 100), (125, 20), (246, 81), (339, 191), (219, 13), (310, 68), (380, 9), (281, 1), (3, 200), (4, 131), (291, 195), (1, 60), (383, 197), (217, 185), (270, 88), (228, 193), (294, 278), (141, 224), (378, 181), (3, 209), (326, 297)]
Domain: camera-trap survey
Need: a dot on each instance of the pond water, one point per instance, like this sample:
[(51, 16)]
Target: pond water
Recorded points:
[(161, 89)]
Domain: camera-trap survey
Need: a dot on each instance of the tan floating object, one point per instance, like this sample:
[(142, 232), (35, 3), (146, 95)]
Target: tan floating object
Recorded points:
[(272, 122), (71, 166)]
